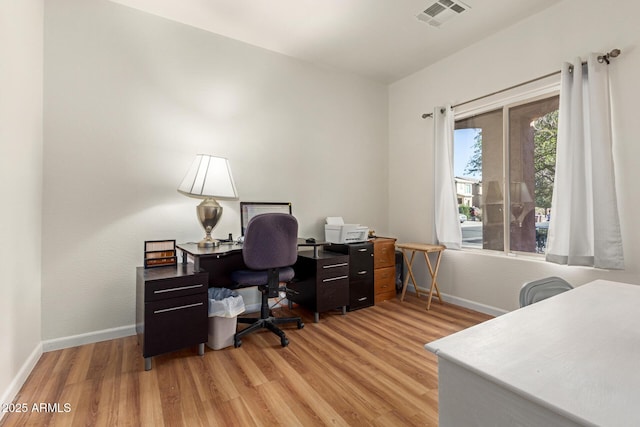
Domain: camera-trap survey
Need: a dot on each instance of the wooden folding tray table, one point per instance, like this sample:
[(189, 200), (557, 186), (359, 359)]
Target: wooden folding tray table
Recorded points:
[(433, 271)]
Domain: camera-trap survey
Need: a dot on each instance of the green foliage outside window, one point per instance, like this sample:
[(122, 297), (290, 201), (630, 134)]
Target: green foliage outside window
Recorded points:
[(545, 139)]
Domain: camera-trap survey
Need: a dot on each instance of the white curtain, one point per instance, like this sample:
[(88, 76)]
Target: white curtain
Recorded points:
[(448, 231), (584, 227)]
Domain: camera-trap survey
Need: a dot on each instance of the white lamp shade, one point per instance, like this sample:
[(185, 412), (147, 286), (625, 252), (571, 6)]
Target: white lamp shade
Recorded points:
[(520, 193), (209, 177)]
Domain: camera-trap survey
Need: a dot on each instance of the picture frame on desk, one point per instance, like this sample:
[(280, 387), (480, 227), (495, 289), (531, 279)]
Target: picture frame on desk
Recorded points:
[(160, 253)]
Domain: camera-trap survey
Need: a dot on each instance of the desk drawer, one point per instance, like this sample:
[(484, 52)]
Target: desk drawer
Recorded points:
[(321, 295), (384, 253), (385, 283), (332, 293), (360, 294), (175, 323), (176, 287), (333, 272), (321, 282), (333, 269), (360, 257)]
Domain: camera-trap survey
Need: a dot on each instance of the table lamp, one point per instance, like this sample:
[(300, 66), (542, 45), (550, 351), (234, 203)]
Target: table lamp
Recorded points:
[(209, 178)]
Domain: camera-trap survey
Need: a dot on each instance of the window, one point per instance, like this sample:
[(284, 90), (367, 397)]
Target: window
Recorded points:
[(514, 144)]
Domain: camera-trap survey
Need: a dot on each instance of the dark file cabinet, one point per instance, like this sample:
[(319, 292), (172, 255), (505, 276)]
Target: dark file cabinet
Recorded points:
[(321, 282), (171, 309), (361, 287)]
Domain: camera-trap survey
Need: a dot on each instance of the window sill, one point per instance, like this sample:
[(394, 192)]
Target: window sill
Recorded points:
[(498, 254)]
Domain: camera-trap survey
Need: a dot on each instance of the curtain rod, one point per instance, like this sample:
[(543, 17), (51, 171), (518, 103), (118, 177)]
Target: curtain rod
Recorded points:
[(601, 58)]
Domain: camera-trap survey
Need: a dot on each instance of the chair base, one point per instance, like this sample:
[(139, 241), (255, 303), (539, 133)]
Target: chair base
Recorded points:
[(266, 320), (269, 323)]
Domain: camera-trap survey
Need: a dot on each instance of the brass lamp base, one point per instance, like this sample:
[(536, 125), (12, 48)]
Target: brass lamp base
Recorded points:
[(209, 213), (208, 242)]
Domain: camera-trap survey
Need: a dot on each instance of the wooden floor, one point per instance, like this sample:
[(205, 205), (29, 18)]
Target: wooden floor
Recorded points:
[(366, 368)]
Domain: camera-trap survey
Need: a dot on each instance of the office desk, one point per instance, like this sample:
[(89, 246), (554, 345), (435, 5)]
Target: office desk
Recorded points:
[(221, 261), (573, 359), (321, 282)]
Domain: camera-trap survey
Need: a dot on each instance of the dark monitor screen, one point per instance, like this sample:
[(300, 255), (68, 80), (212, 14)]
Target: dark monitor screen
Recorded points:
[(250, 209)]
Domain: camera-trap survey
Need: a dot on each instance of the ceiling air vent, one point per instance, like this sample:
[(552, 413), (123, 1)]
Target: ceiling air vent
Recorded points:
[(442, 11)]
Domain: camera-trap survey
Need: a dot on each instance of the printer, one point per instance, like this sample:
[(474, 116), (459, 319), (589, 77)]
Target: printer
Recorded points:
[(336, 231)]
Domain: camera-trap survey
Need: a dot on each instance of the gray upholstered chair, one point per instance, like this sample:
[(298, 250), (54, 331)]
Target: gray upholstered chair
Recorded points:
[(538, 290), (269, 250)]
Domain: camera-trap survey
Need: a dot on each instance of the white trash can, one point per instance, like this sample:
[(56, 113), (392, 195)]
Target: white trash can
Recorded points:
[(224, 307)]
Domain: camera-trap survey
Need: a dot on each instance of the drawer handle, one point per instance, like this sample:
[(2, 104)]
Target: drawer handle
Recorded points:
[(362, 299), (182, 307), (362, 250), (362, 272), (331, 279), (335, 265), (181, 288)]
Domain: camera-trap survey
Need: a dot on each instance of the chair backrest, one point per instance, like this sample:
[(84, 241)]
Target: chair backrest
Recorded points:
[(538, 290), (270, 241)]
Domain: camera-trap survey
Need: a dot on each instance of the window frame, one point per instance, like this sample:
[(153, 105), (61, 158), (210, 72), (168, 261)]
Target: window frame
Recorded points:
[(547, 87)]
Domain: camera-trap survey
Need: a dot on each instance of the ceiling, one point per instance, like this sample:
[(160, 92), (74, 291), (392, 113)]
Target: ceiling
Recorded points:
[(379, 39)]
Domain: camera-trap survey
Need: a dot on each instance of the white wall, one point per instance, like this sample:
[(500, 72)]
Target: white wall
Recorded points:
[(526, 50), (130, 98), (21, 190)]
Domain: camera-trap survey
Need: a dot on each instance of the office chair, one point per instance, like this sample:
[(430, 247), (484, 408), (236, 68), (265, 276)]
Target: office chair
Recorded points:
[(269, 250), (538, 290)]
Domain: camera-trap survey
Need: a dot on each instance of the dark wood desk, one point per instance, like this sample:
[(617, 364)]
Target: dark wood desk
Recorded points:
[(321, 283), (221, 261)]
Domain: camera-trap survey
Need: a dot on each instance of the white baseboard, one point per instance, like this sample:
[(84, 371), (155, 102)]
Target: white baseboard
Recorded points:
[(58, 344), (21, 377), (471, 305), (105, 335), (88, 338), (475, 306)]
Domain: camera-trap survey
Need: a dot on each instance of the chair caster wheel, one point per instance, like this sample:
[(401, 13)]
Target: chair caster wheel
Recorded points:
[(300, 325), (237, 343), (284, 342)]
